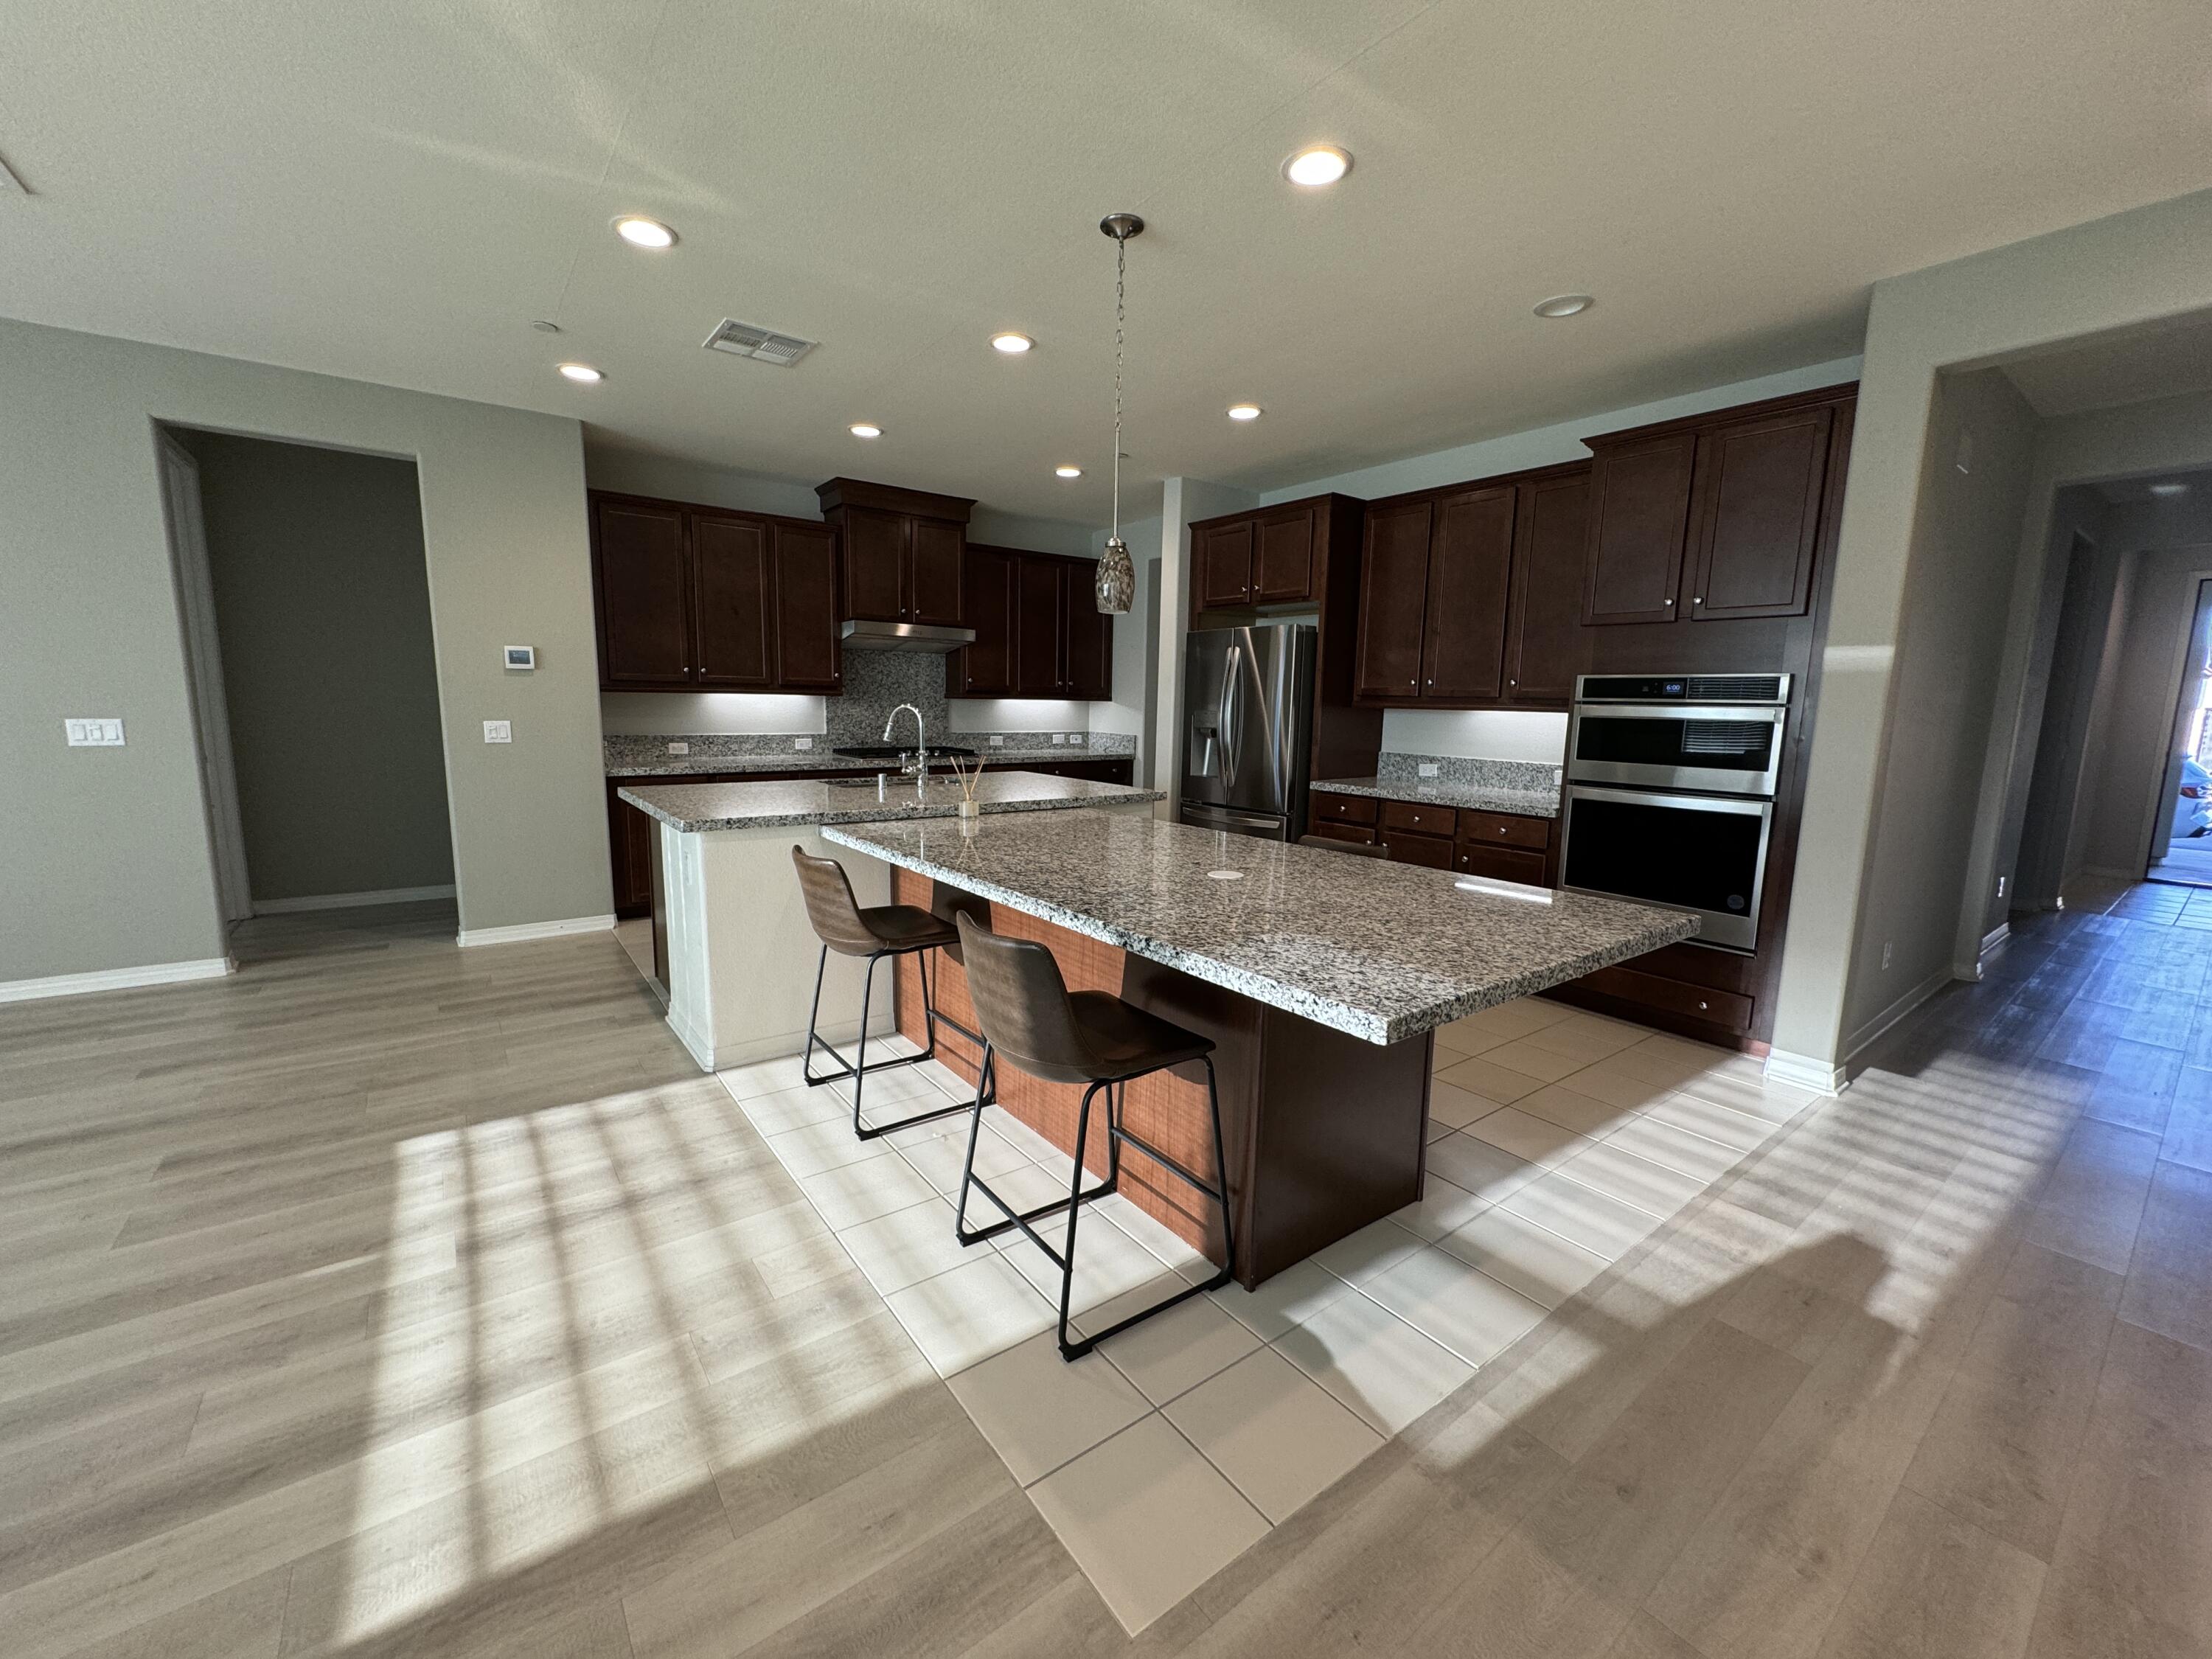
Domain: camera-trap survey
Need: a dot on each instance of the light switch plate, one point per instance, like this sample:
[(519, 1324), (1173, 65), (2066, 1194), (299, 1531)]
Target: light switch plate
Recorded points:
[(997, 741), (1430, 768), (679, 748), (94, 734), (802, 743), (499, 731), (1059, 737)]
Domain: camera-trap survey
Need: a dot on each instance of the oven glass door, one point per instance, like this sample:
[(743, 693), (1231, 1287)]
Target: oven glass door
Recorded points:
[(1689, 851), (1734, 748)]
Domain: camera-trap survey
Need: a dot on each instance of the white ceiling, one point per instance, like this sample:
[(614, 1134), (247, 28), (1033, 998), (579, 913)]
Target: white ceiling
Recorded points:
[(394, 191)]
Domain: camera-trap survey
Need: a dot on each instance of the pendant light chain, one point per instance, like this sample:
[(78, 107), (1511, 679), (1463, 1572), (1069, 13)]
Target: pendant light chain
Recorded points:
[(1121, 272)]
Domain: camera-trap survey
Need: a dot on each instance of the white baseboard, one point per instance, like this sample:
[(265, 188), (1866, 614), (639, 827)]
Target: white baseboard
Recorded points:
[(279, 907), (115, 979), (523, 932), (1869, 1033), (1805, 1072), (1992, 942)]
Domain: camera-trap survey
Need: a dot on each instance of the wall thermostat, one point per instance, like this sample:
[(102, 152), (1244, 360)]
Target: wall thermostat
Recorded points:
[(524, 657)]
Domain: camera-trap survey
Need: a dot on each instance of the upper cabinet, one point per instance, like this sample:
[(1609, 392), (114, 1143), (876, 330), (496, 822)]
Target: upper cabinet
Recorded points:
[(1470, 595), (903, 550), (1268, 558), (1038, 630), (691, 596), (1713, 518)]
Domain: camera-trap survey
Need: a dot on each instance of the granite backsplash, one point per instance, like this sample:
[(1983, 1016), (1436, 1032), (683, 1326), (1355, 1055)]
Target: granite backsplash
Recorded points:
[(1461, 769)]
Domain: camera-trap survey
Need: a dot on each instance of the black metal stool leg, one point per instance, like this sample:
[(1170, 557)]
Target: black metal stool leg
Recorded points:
[(1077, 1350), (860, 1067)]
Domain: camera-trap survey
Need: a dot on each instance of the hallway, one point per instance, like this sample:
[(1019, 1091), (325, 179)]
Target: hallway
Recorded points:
[(405, 1299)]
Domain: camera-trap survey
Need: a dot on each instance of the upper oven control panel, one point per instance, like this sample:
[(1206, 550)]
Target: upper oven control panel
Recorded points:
[(1683, 688)]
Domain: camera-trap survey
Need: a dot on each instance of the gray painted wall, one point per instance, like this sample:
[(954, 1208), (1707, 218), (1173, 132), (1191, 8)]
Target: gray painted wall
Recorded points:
[(330, 676), (107, 861)]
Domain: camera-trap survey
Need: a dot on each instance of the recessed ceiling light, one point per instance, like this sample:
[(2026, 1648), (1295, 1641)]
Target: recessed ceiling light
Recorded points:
[(1067, 471), (1317, 164), (583, 372), (2169, 490), (865, 429), (1564, 305), (1243, 411), (640, 231), (1012, 344)]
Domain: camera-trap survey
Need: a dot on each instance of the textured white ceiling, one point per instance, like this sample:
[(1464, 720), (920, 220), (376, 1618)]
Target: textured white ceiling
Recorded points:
[(393, 190)]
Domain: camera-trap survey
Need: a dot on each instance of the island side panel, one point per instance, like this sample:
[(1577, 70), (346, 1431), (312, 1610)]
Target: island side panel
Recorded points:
[(1165, 1109)]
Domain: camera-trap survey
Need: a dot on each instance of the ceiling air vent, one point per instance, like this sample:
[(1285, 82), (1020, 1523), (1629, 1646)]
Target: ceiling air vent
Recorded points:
[(752, 340)]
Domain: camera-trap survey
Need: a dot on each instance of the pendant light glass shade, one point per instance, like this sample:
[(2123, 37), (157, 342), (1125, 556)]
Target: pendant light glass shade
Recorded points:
[(1114, 585), (1117, 582)]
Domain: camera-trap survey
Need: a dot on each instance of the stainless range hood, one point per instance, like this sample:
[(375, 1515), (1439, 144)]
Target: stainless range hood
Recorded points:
[(863, 634)]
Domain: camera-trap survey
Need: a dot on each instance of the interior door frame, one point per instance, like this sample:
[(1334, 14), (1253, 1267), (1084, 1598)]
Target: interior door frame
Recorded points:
[(186, 523), (2165, 779)]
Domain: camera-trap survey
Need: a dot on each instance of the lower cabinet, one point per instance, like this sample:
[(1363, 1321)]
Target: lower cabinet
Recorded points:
[(629, 840), (1503, 845)]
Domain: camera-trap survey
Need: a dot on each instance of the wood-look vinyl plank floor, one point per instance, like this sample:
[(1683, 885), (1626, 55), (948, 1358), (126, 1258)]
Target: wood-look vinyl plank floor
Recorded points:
[(389, 1298)]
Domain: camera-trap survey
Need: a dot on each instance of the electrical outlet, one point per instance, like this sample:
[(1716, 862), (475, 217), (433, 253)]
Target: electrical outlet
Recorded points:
[(998, 741), (679, 748), (93, 734), (1885, 956), (1059, 737), (499, 731), (802, 743), (1430, 768)]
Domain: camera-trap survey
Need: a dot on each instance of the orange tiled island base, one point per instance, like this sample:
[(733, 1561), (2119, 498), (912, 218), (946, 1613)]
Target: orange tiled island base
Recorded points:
[(1324, 1132)]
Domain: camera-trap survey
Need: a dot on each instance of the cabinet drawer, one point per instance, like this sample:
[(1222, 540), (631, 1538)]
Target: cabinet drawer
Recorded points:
[(1422, 820), (1352, 832), (1501, 864), (1430, 852), (1344, 809), (1725, 1009), (1504, 829)]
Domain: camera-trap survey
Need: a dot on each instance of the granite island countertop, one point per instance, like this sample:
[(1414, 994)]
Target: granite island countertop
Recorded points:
[(1381, 951), (821, 759), (786, 802), (1476, 797)]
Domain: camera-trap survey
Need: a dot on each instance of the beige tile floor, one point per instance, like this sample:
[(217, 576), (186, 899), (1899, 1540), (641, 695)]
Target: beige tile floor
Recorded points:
[(1560, 1141)]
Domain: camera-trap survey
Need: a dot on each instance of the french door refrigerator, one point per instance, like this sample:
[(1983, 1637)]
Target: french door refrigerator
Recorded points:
[(1247, 722)]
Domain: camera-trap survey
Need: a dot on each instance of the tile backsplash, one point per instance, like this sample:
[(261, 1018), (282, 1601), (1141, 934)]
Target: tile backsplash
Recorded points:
[(1459, 769)]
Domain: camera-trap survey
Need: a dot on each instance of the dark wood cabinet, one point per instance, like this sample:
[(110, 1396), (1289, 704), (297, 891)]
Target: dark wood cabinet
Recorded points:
[(988, 599), (904, 549), (1283, 560), (1543, 640), (808, 656), (691, 596), (629, 842), (642, 570), (1757, 515), (1393, 601), (1038, 630), (1469, 582), (1409, 847), (1269, 557), (1639, 515), (732, 584)]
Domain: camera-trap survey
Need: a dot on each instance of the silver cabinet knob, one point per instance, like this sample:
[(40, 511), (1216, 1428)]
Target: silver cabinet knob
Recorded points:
[(1670, 602)]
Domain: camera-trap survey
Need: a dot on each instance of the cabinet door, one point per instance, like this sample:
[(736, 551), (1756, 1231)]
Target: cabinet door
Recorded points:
[(1393, 579), (641, 563), (1224, 558), (1639, 518), (805, 590), (1430, 852), (733, 587), (1470, 576), (1282, 562), (629, 842), (1088, 655), (1038, 629), (1543, 645), (986, 669), (1503, 864), (1758, 512), (875, 564), (933, 590)]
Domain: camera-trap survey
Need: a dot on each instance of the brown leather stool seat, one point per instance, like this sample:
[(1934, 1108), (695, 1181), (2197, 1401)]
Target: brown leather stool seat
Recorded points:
[(1330, 844), (878, 931), (1032, 1020)]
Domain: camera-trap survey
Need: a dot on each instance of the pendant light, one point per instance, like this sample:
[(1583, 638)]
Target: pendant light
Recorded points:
[(1117, 582)]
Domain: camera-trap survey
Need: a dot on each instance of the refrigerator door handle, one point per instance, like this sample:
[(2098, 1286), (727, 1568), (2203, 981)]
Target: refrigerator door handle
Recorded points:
[(1232, 753), (1229, 817)]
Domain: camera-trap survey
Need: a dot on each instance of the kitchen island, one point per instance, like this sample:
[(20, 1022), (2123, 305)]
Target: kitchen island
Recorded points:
[(732, 948), (1320, 977)]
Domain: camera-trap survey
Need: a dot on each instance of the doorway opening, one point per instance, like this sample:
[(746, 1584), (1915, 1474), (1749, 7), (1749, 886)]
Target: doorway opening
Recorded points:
[(2181, 848), (304, 596)]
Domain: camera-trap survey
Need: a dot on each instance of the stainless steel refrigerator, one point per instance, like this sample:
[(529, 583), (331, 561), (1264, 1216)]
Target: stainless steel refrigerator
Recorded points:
[(1248, 727)]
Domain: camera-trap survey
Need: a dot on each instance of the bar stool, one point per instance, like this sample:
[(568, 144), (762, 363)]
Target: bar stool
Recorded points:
[(1366, 849), (1030, 1019), (880, 931)]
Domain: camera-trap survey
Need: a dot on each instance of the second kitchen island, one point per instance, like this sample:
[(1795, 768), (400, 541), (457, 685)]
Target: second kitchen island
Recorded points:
[(1321, 977)]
